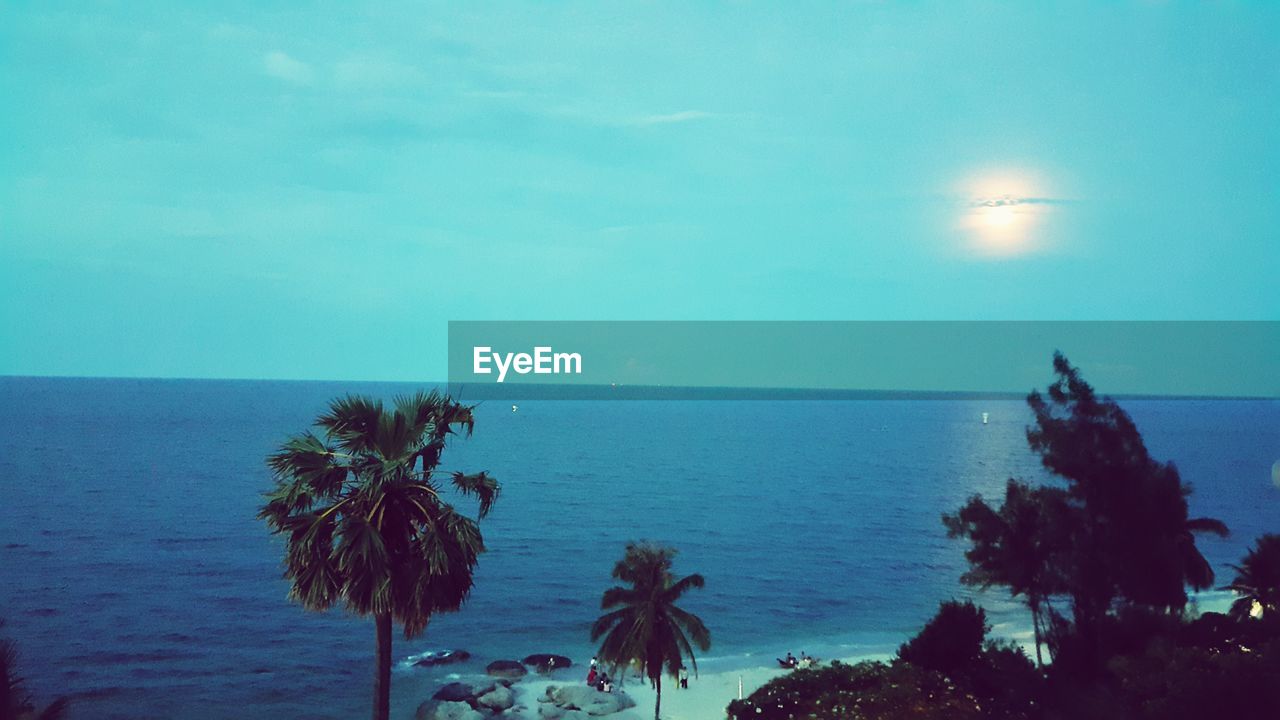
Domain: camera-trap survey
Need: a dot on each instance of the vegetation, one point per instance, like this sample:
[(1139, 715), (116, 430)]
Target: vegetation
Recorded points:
[(951, 641), (1119, 532), (1021, 546), (1131, 537), (644, 627), (1257, 580), (867, 690), (949, 670), (1116, 541), (364, 520), (16, 702)]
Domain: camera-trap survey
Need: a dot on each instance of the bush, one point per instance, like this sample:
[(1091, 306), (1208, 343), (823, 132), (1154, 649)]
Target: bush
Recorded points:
[(866, 691), (951, 641), (1177, 683)]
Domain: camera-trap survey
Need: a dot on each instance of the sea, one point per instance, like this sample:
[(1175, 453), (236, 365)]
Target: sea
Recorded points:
[(136, 580)]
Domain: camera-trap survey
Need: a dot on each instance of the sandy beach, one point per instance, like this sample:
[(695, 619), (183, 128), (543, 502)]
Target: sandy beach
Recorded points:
[(706, 699), (710, 693)]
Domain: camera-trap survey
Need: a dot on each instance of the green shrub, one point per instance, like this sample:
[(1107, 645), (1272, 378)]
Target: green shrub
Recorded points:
[(866, 691), (950, 641)]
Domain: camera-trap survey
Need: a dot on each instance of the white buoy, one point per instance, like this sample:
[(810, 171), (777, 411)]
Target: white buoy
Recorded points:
[(984, 418), (515, 408)]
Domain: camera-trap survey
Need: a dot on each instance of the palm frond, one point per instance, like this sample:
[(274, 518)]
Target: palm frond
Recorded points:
[(482, 485), (353, 422), (683, 585), (1208, 525), (615, 596)]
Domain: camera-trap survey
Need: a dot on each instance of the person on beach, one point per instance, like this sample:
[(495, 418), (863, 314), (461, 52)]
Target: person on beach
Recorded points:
[(684, 678), (791, 659), (591, 676)]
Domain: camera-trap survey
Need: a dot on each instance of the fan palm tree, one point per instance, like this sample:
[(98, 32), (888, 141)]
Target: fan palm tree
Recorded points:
[(1257, 579), (15, 701), (646, 628), (364, 521)]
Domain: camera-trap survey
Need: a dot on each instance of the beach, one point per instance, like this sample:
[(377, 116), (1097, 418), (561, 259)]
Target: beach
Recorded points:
[(709, 693), (706, 698)]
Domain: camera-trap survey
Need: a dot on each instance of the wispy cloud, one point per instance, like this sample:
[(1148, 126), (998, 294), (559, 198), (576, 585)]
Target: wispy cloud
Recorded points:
[(1011, 200), (281, 66), (367, 72), (675, 117)]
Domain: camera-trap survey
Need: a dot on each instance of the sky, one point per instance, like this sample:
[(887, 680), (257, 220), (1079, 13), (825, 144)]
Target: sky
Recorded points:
[(271, 190)]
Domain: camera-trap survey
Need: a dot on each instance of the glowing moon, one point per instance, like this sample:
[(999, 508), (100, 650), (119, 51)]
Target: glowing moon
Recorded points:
[(998, 216), (1003, 214)]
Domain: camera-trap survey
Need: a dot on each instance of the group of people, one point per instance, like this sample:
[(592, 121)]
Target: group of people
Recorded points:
[(600, 680), (802, 663)]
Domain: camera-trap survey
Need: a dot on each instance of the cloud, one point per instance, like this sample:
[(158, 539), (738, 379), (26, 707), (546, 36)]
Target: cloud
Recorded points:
[(1010, 201), (282, 67), (675, 117), (365, 72)]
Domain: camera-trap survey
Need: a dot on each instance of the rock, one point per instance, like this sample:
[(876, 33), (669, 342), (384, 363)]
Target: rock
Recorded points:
[(559, 701), (506, 669), (440, 657), (455, 692), (551, 712), (498, 699), (543, 662), (452, 711)]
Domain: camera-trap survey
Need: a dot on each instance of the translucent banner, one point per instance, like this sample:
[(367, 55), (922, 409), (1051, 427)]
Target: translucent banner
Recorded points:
[(836, 360)]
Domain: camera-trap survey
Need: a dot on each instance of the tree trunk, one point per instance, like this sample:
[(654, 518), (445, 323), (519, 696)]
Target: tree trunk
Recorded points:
[(382, 674), (1035, 624), (657, 704)]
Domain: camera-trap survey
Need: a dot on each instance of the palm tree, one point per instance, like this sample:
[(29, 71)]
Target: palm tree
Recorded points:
[(15, 701), (364, 521), (1023, 545), (646, 628), (1257, 579), (1196, 570)]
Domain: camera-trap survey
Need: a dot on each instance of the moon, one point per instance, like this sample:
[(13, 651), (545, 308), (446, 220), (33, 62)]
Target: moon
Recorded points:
[(999, 215)]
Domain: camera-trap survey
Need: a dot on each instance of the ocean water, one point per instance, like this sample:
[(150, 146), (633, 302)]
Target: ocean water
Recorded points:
[(136, 579)]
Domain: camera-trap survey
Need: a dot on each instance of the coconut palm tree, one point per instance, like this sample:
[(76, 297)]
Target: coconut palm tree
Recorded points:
[(1196, 570), (15, 701), (364, 521), (646, 628), (1022, 545), (1257, 579)]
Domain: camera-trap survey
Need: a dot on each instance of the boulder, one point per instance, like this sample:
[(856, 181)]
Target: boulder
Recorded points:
[(498, 699), (455, 692), (559, 700), (506, 669), (441, 657), (451, 711), (543, 662), (551, 712)]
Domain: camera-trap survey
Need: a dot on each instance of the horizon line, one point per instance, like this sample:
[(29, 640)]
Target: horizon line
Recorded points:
[(493, 390)]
